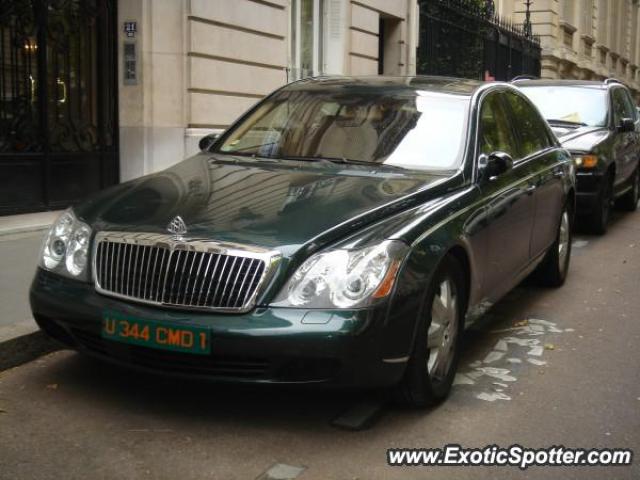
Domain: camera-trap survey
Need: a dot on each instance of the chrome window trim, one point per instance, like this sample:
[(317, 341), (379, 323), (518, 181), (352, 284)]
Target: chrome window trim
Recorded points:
[(171, 243)]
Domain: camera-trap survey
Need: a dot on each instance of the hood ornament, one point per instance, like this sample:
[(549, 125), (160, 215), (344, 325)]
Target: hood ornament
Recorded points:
[(177, 227)]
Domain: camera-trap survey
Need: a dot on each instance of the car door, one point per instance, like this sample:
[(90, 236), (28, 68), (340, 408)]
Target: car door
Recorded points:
[(624, 146), (510, 205), (633, 143), (540, 161)]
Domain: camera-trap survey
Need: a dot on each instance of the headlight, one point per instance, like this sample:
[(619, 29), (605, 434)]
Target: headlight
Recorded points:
[(344, 278), (66, 246), (585, 161)]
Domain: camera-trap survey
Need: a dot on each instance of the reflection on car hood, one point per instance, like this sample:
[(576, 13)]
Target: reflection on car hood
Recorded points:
[(268, 203), (581, 138)]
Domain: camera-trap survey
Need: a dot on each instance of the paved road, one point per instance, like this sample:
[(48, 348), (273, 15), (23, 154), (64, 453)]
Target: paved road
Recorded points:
[(568, 375)]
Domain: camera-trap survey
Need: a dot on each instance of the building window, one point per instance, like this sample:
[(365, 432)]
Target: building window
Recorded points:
[(603, 56), (306, 38)]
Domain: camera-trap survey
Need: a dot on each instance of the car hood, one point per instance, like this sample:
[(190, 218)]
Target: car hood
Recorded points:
[(580, 139), (271, 204)]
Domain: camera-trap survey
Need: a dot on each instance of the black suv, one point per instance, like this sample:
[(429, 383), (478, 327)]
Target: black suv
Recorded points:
[(599, 124)]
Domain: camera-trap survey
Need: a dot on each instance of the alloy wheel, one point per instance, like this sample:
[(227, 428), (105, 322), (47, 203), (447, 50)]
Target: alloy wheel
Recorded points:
[(443, 331), (564, 238)]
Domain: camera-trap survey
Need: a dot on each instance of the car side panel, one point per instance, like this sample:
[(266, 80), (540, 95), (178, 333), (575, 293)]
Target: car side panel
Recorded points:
[(550, 170), (461, 221)]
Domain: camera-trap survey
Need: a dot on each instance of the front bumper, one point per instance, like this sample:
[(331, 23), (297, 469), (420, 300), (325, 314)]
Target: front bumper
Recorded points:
[(588, 185), (266, 345)]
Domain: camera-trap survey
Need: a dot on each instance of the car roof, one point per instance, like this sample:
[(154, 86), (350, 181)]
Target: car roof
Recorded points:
[(408, 84), (565, 83)]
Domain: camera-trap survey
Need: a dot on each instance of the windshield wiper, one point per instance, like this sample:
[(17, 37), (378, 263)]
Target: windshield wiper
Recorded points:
[(568, 123), (349, 161), (339, 160)]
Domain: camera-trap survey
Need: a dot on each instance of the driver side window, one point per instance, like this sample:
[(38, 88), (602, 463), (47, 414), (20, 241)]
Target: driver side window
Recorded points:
[(622, 108), (495, 128)]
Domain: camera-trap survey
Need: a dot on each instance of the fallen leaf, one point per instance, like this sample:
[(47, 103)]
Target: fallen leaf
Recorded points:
[(52, 386), (549, 346)]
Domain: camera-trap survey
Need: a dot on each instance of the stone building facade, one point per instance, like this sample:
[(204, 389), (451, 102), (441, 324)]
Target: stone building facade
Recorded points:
[(584, 39)]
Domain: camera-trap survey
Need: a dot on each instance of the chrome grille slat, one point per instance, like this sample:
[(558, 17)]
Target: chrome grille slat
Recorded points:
[(241, 299), (128, 274), (214, 273), (165, 270), (195, 281), (135, 269), (109, 247), (233, 284), (226, 283), (215, 293)]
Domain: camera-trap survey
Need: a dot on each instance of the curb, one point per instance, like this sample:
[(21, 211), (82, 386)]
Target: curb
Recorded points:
[(25, 348), (28, 229)]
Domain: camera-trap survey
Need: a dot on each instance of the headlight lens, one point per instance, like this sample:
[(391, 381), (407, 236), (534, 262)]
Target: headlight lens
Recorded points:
[(66, 246), (344, 278), (585, 161)]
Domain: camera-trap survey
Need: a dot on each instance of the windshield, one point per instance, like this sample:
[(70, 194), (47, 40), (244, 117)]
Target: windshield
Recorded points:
[(418, 130), (580, 105)]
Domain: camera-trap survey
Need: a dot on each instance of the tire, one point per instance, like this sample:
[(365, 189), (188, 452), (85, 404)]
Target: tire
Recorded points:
[(553, 270), (598, 221), (629, 201), (431, 369)]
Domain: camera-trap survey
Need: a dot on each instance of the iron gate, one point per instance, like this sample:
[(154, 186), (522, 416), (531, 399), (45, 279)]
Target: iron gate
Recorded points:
[(58, 102), (464, 38)]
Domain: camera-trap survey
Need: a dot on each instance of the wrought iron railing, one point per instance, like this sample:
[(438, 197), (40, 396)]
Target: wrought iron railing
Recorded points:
[(465, 38)]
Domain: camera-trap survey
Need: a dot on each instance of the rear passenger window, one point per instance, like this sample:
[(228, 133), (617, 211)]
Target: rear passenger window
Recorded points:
[(530, 126), (496, 134)]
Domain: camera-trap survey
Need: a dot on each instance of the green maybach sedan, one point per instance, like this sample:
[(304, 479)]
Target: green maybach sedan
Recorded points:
[(342, 232)]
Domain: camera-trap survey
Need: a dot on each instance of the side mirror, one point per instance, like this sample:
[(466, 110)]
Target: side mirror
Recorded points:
[(205, 142), (494, 164), (626, 125)]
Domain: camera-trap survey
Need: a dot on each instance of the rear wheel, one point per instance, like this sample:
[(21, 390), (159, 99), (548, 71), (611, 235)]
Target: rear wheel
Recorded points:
[(629, 201), (599, 219), (434, 361), (552, 272)]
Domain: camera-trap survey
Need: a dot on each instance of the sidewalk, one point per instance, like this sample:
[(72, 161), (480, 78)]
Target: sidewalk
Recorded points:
[(20, 240), (28, 222)]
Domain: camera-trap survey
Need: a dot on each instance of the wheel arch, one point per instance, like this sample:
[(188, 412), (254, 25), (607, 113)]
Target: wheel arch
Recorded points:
[(458, 250)]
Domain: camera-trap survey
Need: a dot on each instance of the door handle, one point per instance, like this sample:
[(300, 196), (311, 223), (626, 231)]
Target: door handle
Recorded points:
[(530, 189), (61, 83)]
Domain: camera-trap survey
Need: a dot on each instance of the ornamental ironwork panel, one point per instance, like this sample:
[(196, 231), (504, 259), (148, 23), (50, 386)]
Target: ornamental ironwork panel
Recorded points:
[(58, 102), (465, 38), (20, 128)]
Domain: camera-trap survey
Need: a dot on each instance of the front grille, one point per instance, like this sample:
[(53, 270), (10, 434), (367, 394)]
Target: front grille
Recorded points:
[(178, 273)]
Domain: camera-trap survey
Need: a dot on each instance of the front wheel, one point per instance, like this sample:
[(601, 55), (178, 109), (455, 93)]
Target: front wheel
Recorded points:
[(552, 272), (434, 361)]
